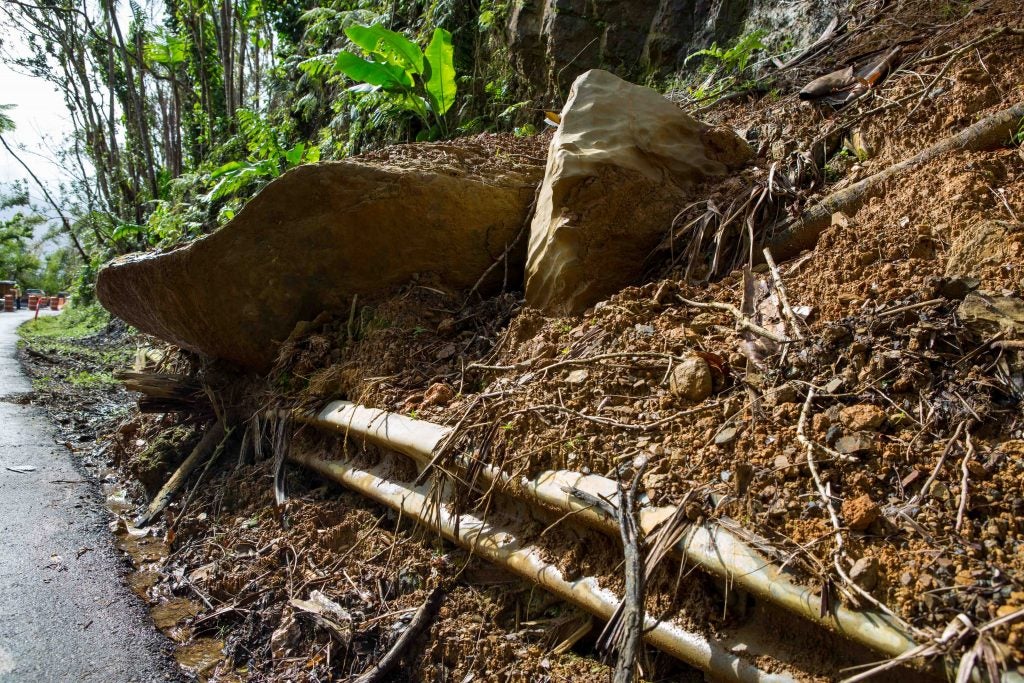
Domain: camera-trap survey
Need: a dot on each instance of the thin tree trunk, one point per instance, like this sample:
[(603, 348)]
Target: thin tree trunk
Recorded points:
[(46, 193)]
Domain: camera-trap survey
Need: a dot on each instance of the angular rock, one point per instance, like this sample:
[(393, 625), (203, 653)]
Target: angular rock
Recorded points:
[(320, 234), (619, 168), (439, 394), (864, 573), (862, 417), (854, 443), (988, 313), (983, 246), (691, 379)]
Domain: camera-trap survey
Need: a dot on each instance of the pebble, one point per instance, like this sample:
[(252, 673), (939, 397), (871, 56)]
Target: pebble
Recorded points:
[(853, 443), (726, 436), (577, 376), (865, 572), (784, 469), (862, 417), (691, 379)]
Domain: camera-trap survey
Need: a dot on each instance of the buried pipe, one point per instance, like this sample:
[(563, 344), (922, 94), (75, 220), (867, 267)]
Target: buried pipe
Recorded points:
[(501, 544), (709, 545)]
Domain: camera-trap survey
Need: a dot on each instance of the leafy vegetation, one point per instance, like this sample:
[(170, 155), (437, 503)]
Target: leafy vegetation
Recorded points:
[(422, 82), (726, 69)]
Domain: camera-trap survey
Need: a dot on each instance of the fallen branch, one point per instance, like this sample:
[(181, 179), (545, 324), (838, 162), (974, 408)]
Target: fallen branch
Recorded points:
[(780, 288), (421, 621), (165, 392), (624, 631), (989, 133), (202, 450), (742, 321)]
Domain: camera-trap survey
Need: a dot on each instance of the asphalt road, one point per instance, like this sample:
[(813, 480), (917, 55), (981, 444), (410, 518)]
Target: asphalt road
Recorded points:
[(65, 613)]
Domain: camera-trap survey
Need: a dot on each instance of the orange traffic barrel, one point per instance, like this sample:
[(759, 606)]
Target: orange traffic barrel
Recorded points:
[(9, 303), (33, 301), (60, 301), (53, 303)]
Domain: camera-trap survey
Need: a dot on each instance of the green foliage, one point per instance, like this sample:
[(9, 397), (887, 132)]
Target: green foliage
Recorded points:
[(726, 69), (6, 122), (1018, 137), (268, 157), (76, 321), (413, 80)]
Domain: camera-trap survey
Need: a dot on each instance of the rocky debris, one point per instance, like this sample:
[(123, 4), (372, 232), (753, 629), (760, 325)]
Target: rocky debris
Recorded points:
[(320, 235), (691, 379), (864, 573), (863, 417), (989, 313), (860, 512), (984, 245), (438, 394), (622, 162), (854, 443)]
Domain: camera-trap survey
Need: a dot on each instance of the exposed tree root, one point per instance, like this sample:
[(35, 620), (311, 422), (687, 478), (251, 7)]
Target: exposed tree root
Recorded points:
[(203, 449)]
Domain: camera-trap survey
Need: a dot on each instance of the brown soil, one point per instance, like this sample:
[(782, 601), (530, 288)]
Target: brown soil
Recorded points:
[(908, 394)]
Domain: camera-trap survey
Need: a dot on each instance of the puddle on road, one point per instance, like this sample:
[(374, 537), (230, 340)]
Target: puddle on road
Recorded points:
[(197, 655), (201, 656)]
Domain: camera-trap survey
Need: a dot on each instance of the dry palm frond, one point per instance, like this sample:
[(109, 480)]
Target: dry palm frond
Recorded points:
[(708, 241)]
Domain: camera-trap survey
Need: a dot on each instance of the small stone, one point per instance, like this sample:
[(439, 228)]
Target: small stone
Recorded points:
[(784, 469), (939, 491), (577, 376), (841, 220), (783, 394), (726, 436), (446, 352), (865, 572), (438, 394), (834, 385), (854, 443), (862, 417), (832, 434), (691, 379), (906, 578), (860, 512)]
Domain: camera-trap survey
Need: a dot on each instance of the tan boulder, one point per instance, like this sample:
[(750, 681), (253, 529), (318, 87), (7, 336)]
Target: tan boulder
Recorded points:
[(620, 167), (320, 234)]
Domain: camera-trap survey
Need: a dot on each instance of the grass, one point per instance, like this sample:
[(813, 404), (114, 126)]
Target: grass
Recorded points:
[(81, 365), (73, 323)]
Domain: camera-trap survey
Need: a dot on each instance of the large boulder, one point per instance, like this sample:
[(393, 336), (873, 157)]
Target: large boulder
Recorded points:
[(620, 167), (319, 235)]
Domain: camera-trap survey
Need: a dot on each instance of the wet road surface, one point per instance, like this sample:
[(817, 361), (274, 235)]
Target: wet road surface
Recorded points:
[(65, 613)]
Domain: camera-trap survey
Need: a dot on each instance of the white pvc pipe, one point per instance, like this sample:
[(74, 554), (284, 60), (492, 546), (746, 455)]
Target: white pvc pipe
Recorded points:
[(503, 544), (708, 545)]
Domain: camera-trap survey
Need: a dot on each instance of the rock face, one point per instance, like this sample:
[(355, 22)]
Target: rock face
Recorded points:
[(551, 42), (619, 168), (320, 234)]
